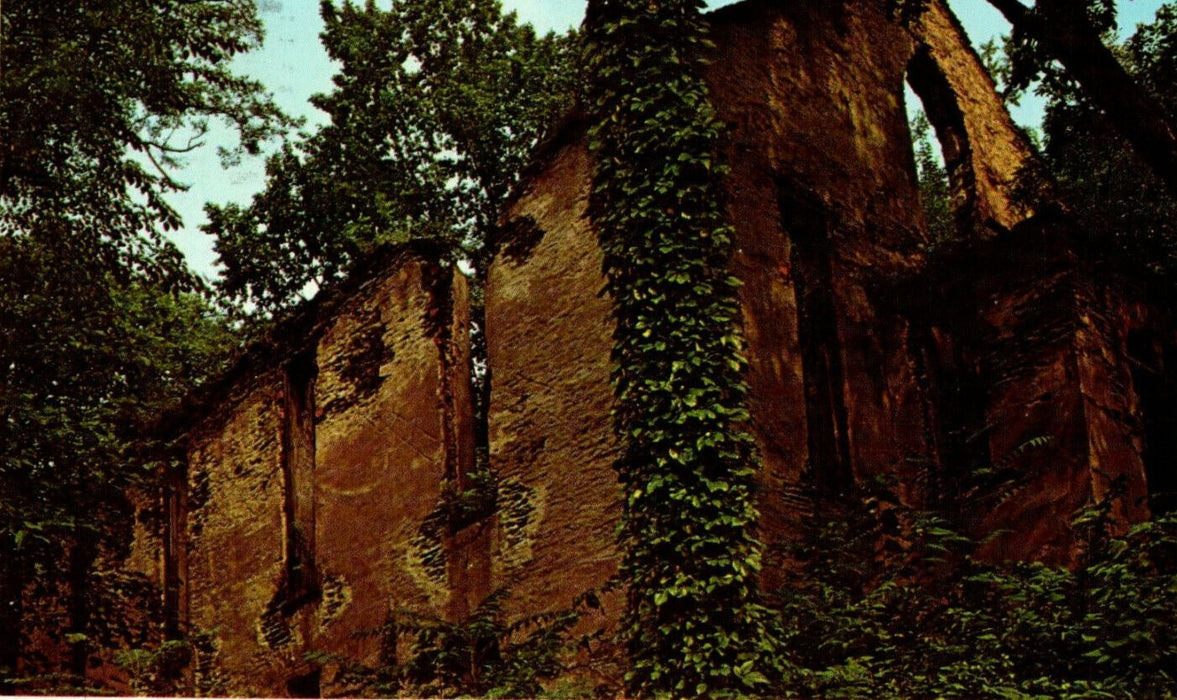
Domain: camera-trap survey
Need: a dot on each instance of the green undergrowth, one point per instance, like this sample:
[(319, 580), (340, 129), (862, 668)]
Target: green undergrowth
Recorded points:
[(880, 601), (888, 602), (486, 654)]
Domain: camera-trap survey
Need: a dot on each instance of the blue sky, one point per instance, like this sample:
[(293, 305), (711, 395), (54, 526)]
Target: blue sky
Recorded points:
[(294, 66)]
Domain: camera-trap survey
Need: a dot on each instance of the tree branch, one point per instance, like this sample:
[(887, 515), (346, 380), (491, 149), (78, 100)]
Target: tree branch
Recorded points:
[(1061, 26), (1014, 12), (164, 174)]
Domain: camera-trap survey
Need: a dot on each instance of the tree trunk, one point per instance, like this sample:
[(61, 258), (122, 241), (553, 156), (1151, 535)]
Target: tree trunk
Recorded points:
[(1062, 28)]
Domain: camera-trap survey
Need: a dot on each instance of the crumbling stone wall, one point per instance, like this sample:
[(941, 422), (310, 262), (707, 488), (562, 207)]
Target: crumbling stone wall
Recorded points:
[(548, 346), (822, 194), (1145, 333), (984, 151), (827, 151), (327, 485), (1048, 401), (235, 539), (303, 520), (384, 418)]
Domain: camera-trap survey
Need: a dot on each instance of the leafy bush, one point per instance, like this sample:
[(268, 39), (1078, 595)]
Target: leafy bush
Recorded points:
[(892, 603), (481, 655)]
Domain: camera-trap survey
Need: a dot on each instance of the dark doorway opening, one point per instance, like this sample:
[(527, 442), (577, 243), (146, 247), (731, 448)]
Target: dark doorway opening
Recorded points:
[(1153, 362), (960, 397)]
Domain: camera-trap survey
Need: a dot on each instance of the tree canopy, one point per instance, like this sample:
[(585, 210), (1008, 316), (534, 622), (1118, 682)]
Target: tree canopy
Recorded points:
[(101, 323), (1127, 206), (1070, 32), (1118, 200), (436, 107), (97, 99)]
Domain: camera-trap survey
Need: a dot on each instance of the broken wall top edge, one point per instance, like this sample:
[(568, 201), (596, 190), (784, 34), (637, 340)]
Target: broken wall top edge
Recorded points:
[(293, 332)]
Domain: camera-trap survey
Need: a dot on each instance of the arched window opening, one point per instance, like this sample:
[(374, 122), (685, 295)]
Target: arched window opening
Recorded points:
[(948, 189)]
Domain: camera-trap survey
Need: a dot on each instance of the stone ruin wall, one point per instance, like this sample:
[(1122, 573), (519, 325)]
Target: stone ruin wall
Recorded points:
[(311, 509)]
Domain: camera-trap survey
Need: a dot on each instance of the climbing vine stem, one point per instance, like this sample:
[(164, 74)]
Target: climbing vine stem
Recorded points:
[(693, 624)]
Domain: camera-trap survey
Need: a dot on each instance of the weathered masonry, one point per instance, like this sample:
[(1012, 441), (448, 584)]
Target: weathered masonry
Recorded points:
[(1006, 379), (310, 480)]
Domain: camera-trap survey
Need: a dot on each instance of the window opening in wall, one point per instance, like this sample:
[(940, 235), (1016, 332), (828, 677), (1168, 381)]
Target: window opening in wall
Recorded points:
[(943, 165), (806, 224), (931, 177), (1154, 376), (959, 399), (174, 548), (298, 472)]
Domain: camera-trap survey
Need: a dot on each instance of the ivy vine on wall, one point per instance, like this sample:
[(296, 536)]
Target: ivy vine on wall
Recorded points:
[(693, 624)]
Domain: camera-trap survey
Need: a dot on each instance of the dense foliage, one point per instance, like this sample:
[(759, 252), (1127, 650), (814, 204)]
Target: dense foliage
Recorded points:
[(882, 602), (88, 359), (480, 655), (691, 559), (436, 106), (1119, 200), (1071, 32), (101, 324), (922, 616)]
